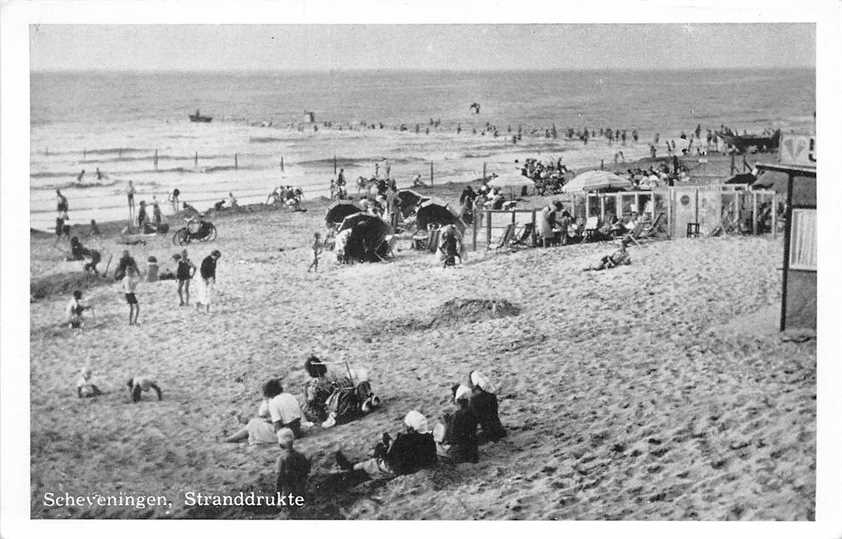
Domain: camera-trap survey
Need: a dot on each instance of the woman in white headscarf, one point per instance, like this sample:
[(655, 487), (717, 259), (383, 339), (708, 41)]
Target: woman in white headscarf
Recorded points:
[(456, 437), (407, 453), (483, 404)]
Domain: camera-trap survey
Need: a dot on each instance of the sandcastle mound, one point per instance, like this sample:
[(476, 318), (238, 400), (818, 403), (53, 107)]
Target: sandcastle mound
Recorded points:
[(472, 310)]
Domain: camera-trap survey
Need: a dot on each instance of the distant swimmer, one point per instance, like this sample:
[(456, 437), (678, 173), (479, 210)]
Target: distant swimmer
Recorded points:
[(80, 176), (474, 108)]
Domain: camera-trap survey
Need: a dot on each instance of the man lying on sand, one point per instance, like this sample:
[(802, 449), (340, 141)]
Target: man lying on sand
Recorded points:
[(407, 453), (618, 257)]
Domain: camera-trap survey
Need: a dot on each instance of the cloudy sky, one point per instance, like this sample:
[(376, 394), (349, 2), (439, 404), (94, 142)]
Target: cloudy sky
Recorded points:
[(462, 47)]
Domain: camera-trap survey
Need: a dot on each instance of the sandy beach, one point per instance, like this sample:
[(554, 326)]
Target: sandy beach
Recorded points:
[(658, 390)]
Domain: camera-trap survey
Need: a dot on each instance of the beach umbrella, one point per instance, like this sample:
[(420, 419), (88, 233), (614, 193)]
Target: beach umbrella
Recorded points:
[(410, 200), (367, 238), (595, 180), (439, 213), (339, 210), (511, 181)]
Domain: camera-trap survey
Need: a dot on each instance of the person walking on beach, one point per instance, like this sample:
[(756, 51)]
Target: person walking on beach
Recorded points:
[(173, 198), (183, 273), (130, 281), (317, 250), (157, 216), (141, 216), (80, 176), (98, 175), (207, 271), (130, 191), (61, 204)]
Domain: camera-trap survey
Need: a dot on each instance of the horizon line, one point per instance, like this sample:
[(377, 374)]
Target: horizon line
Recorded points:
[(410, 69)]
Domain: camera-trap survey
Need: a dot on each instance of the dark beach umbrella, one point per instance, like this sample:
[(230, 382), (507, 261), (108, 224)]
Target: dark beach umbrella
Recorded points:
[(740, 179), (339, 210), (439, 213), (367, 241), (410, 200)]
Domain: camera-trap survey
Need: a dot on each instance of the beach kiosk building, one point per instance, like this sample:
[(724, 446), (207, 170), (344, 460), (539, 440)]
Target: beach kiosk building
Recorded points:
[(800, 264)]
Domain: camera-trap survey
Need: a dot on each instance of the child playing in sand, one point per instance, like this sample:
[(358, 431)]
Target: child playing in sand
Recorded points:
[(292, 467), (85, 386), (129, 283), (317, 250), (142, 384), (75, 308)]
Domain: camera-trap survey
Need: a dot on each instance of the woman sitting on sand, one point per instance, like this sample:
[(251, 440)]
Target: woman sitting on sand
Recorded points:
[(407, 453), (261, 429), (456, 436), (617, 258), (332, 400), (483, 403)]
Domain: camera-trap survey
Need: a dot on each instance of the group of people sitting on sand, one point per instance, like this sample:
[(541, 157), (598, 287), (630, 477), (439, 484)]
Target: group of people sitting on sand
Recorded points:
[(329, 400), (287, 196)]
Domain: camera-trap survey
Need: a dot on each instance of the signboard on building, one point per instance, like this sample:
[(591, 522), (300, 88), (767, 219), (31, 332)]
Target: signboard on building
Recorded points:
[(798, 150)]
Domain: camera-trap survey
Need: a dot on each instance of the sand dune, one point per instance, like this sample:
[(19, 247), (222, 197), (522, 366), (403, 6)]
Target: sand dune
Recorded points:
[(636, 393)]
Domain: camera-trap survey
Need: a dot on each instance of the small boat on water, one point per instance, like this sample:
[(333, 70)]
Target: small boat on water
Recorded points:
[(199, 118)]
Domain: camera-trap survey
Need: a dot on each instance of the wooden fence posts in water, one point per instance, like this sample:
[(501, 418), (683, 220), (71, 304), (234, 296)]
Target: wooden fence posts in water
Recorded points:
[(155, 159), (236, 164), (196, 159), (282, 163)]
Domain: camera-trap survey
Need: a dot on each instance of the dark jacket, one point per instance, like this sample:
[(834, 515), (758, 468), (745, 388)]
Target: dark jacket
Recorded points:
[(462, 436), (410, 452), (293, 469), (208, 269), (484, 407)]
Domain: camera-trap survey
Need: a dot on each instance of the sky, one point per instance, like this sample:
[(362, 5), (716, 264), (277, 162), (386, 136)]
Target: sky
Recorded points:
[(457, 47)]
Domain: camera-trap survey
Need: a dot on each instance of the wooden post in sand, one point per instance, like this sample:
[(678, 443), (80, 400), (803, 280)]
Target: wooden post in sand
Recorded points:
[(476, 228), (431, 173), (236, 164), (534, 224), (488, 215), (669, 214), (334, 164), (732, 164), (775, 215), (483, 170), (754, 213)]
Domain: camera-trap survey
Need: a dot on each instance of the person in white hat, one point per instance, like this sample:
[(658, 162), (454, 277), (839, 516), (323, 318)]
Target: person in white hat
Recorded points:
[(483, 403), (456, 438), (407, 453)]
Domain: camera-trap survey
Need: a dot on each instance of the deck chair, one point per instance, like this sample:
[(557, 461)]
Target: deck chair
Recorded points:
[(508, 234), (591, 227), (650, 230), (525, 235), (633, 234)]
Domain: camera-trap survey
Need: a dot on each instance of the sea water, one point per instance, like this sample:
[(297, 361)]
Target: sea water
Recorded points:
[(117, 122)]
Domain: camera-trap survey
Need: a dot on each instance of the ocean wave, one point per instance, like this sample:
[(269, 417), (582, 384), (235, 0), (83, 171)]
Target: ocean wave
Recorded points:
[(105, 151), (73, 185)]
